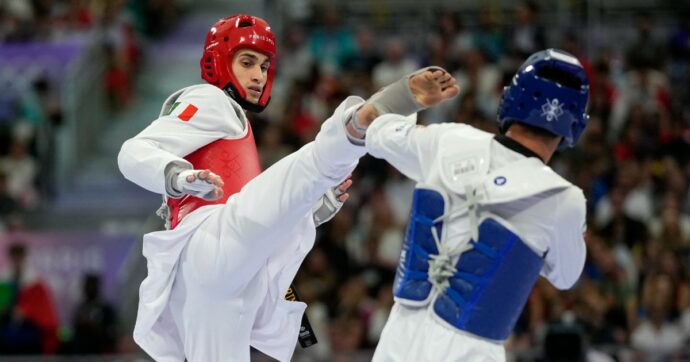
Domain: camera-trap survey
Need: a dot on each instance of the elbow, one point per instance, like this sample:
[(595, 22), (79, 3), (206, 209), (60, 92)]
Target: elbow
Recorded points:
[(565, 283), (124, 157), (563, 277), (568, 279)]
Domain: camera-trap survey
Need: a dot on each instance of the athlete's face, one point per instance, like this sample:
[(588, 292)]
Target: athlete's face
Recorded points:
[(251, 70)]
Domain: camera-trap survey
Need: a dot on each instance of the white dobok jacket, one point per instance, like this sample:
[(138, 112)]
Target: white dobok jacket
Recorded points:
[(216, 283), (544, 209)]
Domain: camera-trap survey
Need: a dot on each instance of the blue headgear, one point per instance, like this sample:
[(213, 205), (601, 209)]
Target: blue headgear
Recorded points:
[(550, 91)]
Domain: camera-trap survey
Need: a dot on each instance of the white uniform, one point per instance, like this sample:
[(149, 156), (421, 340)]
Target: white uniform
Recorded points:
[(217, 282), (550, 223)]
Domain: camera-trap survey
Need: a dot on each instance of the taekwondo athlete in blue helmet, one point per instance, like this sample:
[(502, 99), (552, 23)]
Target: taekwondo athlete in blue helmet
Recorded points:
[(488, 216)]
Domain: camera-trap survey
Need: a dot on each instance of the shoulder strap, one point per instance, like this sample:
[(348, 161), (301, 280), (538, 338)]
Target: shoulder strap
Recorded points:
[(167, 105), (170, 101), (522, 179)]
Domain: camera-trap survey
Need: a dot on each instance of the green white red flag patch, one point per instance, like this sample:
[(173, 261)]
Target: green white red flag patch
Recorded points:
[(183, 111)]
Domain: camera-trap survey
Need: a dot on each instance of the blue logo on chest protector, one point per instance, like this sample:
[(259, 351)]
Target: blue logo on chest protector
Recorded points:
[(500, 180)]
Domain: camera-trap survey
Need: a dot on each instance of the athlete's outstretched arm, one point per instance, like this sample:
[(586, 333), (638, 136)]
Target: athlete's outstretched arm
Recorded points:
[(422, 89), (396, 137)]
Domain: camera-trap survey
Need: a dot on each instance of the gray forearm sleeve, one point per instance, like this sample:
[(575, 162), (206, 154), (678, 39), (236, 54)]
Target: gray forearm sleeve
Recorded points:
[(397, 97), (171, 171), (352, 119)]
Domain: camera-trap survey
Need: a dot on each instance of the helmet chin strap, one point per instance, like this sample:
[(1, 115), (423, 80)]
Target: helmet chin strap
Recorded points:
[(252, 107)]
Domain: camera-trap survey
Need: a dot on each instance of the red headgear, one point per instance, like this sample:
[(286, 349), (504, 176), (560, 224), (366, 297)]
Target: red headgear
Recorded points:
[(225, 38)]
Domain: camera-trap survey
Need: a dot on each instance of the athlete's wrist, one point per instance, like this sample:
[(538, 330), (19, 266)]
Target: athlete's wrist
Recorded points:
[(172, 172)]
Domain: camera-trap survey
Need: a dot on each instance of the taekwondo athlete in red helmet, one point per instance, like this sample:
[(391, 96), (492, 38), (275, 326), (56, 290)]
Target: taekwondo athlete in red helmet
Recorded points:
[(236, 236), (198, 153)]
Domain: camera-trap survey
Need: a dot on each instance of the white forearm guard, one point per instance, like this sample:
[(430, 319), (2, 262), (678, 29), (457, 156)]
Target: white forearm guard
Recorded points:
[(327, 206)]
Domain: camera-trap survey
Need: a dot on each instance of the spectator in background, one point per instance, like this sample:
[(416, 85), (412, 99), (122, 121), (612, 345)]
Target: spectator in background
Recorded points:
[(21, 170), (643, 92), (658, 334), (297, 116), (159, 17), (679, 51), (349, 330), (296, 59), (482, 80), (452, 36), (679, 42), (395, 64), (332, 43), (670, 226), (488, 36), (633, 179), (8, 205), (368, 53), (79, 15), (646, 51), (527, 35), (271, 146), (117, 79), (95, 321), (621, 227), (380, 311), (564, 342), (360, 65), (336, 246), (602, 92), (16, 23), (28, 319), (384, 235)]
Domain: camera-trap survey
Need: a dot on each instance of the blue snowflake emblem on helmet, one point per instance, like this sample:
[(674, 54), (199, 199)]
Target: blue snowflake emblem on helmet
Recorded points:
[(552, 109)]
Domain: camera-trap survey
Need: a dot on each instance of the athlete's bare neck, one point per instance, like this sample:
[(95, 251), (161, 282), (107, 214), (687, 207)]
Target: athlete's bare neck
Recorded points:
[(543, 147)]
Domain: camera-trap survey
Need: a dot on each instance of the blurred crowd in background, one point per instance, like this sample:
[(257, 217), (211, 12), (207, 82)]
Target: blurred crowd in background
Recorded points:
[(633, 163), (31, 115), (31, 105)]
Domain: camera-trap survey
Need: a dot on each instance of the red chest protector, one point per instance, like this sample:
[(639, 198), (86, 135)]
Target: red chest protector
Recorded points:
[(236, 161)]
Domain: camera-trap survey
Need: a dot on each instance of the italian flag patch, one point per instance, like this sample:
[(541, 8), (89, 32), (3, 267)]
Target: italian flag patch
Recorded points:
[(183, 111)]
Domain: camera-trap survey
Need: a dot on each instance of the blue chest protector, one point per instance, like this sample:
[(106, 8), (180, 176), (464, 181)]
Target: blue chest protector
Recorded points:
[(490, 283)]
